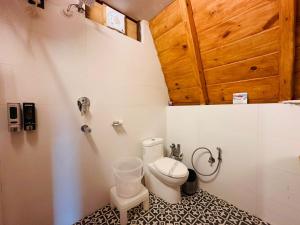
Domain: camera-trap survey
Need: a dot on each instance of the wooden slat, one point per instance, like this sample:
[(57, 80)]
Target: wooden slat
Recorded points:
[(259, 90), (258, 67), (166, 20), (179, 69), (240, 50), (287, 43), (180, 75), (297, 60), (256, 45), (297, 86), (297, 9), (185, 96), (241, 26), (171, 55), (209, 13), (194, 51), (297, 33), (173, 38), (96, 13), (180, 83), (131, 29), (297, 55)]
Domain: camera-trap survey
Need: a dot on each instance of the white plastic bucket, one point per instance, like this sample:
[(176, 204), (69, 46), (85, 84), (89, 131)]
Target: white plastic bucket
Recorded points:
[(128, 173)]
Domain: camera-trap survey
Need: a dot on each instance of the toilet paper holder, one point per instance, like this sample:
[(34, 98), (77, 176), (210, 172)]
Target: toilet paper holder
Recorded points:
[(117, 123)]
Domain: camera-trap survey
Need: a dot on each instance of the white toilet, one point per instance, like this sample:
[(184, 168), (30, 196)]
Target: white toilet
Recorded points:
[(163, 175)]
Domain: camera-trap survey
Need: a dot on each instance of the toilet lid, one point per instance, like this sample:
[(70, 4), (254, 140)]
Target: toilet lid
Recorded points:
[(171, 167)]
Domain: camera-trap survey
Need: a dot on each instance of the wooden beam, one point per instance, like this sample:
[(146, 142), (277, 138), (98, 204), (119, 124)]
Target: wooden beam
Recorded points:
[(287, 13), (193, 47)]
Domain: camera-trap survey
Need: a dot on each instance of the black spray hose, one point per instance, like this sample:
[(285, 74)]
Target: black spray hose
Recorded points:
[(211, 160)]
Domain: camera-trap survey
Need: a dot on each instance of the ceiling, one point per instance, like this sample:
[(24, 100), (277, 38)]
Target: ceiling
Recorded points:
[(139, 9)]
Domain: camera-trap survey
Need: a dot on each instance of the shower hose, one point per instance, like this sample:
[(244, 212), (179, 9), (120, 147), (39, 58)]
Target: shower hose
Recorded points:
[(211, 160)]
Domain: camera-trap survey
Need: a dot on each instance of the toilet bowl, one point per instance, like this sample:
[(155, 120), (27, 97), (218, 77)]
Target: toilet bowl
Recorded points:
[(165, 178), (163, 175)]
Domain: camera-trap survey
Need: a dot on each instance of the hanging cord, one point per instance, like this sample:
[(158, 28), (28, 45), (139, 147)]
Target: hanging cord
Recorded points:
[(211, 160)]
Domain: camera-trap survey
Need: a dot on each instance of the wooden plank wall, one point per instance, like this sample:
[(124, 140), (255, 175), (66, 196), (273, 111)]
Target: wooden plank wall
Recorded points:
[(172, 40), (297, 54), (287, 12), (239, 42), (240, 48)]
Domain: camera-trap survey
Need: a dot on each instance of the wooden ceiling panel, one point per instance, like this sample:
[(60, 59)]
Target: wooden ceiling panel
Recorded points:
[(185, 96), (297, 54), (260, 44), (258, 67), (172, 38), (210, 50), (297, 60), (194, 50), (166, 20), (171, 55), (297, 85), (259, 90), (240, 26), (211, 13), (181, 83), (179, 69), (297, 31), (176, 42), (287, 48)]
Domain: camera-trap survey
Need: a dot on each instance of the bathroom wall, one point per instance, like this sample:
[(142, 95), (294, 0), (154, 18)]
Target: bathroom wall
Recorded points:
[(56, 175), (260, 171)]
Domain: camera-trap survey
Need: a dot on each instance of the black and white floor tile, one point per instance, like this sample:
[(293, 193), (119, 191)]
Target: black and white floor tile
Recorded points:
[(201, 208)]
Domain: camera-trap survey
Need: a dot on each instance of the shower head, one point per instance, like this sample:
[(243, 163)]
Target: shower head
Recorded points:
[(80, 7)]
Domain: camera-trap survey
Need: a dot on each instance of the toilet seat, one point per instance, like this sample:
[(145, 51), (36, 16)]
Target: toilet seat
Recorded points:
[(171, 167)]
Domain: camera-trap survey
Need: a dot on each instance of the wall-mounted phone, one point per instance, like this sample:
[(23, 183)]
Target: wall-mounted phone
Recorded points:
[(29, 119), (14, 115)]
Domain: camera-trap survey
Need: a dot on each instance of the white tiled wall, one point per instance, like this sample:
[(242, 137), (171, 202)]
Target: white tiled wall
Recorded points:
[(261, 144), (56, 175)]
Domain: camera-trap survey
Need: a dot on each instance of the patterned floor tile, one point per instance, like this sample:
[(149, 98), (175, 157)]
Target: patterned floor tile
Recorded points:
[(201, 208)]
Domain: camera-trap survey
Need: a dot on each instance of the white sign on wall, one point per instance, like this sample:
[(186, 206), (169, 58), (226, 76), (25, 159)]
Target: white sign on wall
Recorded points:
[(115, 19), (240, 98)]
